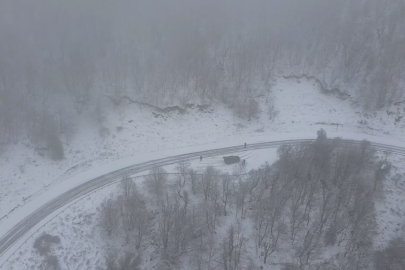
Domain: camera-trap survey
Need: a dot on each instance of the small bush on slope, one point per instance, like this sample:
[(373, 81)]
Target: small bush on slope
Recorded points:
[(44, 243)]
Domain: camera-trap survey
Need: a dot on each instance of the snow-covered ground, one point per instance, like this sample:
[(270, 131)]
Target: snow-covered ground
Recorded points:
[(301, 108), (139, 135), (76, 225), (83, 245)]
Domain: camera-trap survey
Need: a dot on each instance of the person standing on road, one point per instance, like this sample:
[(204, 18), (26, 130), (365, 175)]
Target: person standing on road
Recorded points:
[(245, 145), (200, 158)]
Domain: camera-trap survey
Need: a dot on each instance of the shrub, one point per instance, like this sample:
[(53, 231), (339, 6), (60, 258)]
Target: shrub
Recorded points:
[(51, 262), (67, 126), (249, 109), (156, 182), (109, 215), (43, 243), (253, 108), (54, 145), (44, 130)]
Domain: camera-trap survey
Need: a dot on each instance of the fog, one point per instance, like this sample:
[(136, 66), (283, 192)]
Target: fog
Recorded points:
[(63, 57), (72, 69)]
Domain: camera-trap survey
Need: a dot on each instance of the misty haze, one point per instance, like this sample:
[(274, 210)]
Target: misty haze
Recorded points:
[(202, 134)]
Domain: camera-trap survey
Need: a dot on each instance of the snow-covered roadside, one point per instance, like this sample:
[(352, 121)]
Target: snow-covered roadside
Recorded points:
[(57, 189), (24, 172), (62, 187), (142, 135), (76, 224), (300, 106)]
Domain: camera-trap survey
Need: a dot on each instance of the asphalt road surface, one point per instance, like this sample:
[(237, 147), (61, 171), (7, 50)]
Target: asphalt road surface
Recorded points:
[(23, 227)]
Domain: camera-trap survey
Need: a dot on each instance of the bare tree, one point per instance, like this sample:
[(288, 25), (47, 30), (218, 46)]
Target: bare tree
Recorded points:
[(271, 241), (253, 180), (326, 207), (241, 194), (53, 142), (134, 214), (127, 186), (156, 182), (209, 182), (78, 77), (141, 225), (44, 129), (166, 220), (109, 216), (183, 168), (115, 75), (308, 245), (233, 249), (205, 253), (383, 168), (67, 126), (266, 215), (183, 229), (194, 180), (212, 197), (227, 190), (253, 108), (209, 216), (239, 171)]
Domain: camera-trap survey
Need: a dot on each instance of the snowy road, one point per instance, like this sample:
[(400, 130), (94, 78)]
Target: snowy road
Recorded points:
[(11, 237)]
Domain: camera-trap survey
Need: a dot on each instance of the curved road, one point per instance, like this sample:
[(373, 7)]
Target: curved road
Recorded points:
[(18, 231)]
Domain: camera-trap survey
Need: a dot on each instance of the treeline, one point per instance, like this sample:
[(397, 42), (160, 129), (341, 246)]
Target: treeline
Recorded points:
[(312, 209), (60, 58)]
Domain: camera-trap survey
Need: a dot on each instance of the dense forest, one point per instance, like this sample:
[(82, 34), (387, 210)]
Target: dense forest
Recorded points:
[(312, 209), (60, 60)]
